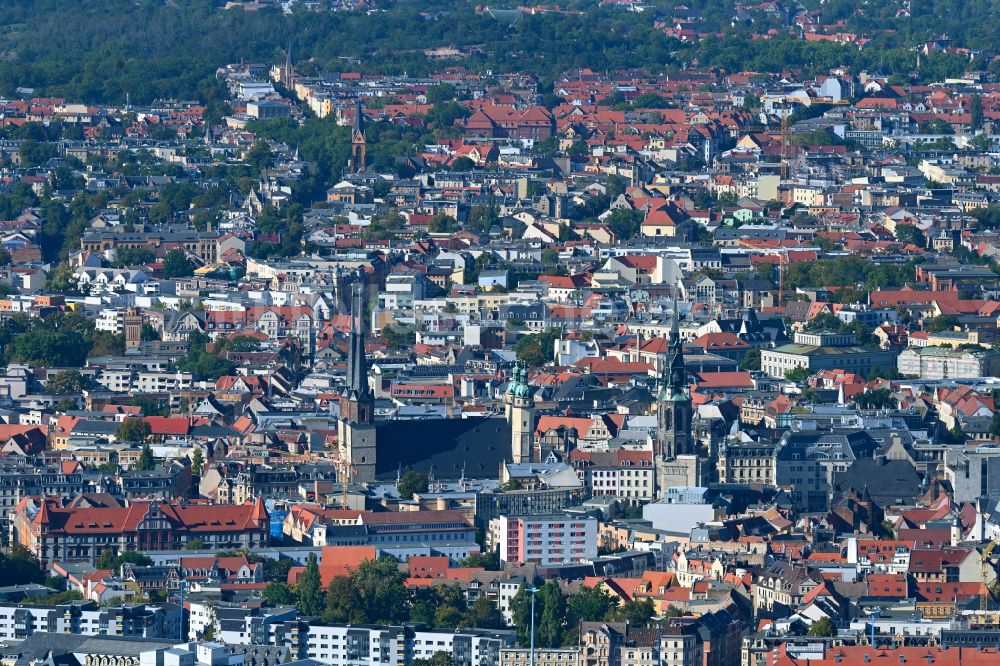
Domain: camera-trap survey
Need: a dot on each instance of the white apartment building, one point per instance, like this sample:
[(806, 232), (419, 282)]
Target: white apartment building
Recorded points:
[(547, 539), (86, 618), (356, 645), (119, 381), (163, 382), (110, 321)]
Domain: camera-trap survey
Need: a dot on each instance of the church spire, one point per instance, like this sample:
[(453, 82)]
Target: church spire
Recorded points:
[(674, 377), (357, 363), (359, 145), (357, 401)]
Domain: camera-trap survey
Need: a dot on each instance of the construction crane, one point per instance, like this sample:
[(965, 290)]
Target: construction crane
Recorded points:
[(345, 472), (786, 148), (984, 589)]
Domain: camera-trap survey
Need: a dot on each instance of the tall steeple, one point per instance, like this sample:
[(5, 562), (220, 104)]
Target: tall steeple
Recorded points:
[(674, 378), (357, 400), (674, 404), (359, 144)]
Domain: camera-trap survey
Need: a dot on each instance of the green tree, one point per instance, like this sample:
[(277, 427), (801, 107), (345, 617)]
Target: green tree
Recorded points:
[(399, 336), (551, 615), (941, 323), (19, 567), (194, 544), (750, 360), (633, 512), (132, 256), (798, 374), (176, 265), (275, 570), (954, 436), (624, 222), (483, 614), (343, 604), (439, 658), (442, 224), (636, 613), (442, 92), (462, 163), (110, 560), (885, 531), (824, 321), (823, 627), (197, 462), (259, 156), (133, 429), (554, 620), (382, 588), (976, 112), (616, 186), (65, 381), (809, 395), (203, 363), (909, 233), (309, 590), (56, 582), (488, 560), (537, 349), (146, 461), (412, 483), (279, 594), (59, 340), (149, 406), (241, 344), (591, 604), (447, 617), (995, 424)]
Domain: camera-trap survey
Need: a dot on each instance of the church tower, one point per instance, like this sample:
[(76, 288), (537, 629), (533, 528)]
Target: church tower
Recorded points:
[(356, 429), (674, 403), (357, 402), (359, 145), (520, 406), (133, 330)]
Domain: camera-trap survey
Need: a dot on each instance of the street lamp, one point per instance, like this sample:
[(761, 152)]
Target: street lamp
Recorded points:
[(531, 654), (658, 619)]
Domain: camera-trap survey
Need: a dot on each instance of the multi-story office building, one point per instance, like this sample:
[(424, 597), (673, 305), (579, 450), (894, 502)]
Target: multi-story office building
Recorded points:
[(548, 540)]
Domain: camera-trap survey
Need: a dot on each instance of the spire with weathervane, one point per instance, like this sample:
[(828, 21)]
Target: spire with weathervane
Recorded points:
[(674, 403)]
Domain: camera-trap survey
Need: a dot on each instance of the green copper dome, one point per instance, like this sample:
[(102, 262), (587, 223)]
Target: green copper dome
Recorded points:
[(518, 386)]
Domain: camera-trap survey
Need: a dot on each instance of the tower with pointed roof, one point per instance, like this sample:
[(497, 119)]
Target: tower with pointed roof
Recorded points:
[(359, 145), (355, 428), (673, 403), (519, 402)]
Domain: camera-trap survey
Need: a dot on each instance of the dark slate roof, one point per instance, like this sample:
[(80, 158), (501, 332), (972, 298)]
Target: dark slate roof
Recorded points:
[(476, 445), (211, 430), (886, 481), (38, 646)]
